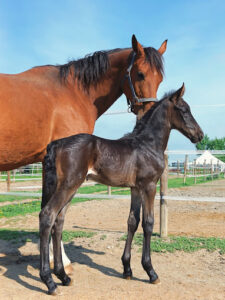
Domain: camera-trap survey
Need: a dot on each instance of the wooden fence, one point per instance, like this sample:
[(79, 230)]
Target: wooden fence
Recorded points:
[(183, 169)]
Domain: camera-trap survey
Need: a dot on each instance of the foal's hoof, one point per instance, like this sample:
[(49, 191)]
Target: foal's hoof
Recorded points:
[(157, 281), (69, 269), (128, 275), (55, 292)]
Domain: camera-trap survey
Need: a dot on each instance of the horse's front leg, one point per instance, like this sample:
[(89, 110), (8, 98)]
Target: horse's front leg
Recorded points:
[(148, 194), (132, 222)]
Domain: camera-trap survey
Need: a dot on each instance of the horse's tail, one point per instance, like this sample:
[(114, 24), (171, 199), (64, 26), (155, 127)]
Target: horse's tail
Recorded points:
[(49, 174)]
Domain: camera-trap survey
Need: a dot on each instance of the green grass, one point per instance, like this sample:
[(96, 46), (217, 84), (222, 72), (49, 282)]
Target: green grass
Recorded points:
[(92, 189), (24, 236), (8, 198), (21, 209), (70, 235), (186, 244)]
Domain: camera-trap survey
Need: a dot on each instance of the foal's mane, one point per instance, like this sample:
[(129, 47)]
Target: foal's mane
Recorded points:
[(90, 69), (141, 124)]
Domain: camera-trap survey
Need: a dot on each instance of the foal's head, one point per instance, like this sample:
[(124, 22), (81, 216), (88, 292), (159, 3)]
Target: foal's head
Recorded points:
[(146, 73), (182, 118)]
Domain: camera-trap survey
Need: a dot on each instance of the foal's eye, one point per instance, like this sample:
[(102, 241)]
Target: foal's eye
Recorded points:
[(141, 76)]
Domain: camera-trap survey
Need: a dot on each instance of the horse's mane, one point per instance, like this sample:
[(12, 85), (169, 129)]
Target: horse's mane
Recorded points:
[(92, 67)]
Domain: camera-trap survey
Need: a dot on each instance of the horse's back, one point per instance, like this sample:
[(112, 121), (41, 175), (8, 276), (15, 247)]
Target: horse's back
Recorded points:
[(36, 109)]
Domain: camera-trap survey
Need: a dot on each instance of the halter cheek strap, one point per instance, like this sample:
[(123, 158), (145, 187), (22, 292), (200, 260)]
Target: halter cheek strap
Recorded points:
[(131, 102)]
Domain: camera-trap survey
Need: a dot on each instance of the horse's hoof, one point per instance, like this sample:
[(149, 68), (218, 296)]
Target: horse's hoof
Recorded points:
[(69, 269), (70, 283), (157, 281), (67, 282), (55, 292)]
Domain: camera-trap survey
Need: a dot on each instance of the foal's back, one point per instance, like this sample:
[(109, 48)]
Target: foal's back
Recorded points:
[(106, 161)]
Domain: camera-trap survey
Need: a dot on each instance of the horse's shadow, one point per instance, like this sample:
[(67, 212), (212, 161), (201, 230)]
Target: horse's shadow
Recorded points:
[(16, 266)]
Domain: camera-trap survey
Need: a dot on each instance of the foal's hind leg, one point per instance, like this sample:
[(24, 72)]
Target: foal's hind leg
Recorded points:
[(133, 221), (57, 228), (147, 223), (47, 217)]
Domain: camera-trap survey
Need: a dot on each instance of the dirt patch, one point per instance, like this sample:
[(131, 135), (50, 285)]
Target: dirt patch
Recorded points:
[(96, 260)]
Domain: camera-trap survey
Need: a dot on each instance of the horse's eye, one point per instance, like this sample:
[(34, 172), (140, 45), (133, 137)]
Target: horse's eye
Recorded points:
[(141, 76)]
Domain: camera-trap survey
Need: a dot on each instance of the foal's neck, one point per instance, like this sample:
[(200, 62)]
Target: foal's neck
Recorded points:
[(157, 128)]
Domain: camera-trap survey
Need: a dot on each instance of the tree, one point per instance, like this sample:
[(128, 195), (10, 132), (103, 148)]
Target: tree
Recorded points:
[(212, 144)]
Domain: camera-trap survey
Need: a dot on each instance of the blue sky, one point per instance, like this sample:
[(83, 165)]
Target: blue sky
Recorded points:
[(49, 32)]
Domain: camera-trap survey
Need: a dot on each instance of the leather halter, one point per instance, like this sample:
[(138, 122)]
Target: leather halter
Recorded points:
[(131, 102)]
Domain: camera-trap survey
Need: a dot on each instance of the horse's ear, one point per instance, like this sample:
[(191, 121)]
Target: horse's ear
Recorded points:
[(175, 97), (163, 47), (138, 49)]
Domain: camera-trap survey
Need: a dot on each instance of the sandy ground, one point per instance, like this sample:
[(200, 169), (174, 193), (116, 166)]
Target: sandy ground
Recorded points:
[(96, 260)]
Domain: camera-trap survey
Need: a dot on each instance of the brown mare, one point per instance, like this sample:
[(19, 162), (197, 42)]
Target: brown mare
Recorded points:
[(135, 161), (51, 102)]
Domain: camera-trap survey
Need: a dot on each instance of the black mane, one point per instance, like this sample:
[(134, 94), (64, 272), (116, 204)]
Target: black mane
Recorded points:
[(92, 67), (141, 124)]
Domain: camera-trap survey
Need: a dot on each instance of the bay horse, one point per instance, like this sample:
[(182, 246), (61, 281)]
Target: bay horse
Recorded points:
[(50, 102), (135, 161)]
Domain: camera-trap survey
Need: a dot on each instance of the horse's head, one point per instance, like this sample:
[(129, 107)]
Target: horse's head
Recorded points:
[(144, 74), (182, 118)]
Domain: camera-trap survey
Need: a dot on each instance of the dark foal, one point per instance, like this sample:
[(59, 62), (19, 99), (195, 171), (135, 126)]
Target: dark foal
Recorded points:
[(135, 161)]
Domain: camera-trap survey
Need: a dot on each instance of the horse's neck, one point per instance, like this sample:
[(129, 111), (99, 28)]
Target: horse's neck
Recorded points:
[(157, 129), (109, 89)]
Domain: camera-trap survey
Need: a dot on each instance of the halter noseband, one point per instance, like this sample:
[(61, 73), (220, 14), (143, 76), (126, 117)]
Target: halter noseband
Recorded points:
[(131, 102)]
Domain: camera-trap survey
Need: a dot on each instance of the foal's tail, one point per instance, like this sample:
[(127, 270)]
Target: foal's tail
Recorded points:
[(49, 174)]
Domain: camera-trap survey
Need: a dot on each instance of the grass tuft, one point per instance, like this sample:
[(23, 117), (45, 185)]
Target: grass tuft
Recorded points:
[(186, 244)]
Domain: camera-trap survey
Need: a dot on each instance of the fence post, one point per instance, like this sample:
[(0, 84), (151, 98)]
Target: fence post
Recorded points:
[(109, 190), (163, 201), (195, 170), (8, 181), (204, 170), (178, 168), (211, 169), (185, 168)]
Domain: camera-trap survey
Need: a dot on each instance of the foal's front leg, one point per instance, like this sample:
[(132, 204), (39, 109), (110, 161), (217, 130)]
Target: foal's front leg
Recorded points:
[(147, 224), (132, 222)]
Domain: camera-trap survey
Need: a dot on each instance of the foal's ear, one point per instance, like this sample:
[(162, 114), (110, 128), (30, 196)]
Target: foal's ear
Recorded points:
[(137, 46), (178, 94), (163, 47)]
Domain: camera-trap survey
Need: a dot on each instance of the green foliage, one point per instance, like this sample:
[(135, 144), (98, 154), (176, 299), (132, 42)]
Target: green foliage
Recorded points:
[(212, 144)]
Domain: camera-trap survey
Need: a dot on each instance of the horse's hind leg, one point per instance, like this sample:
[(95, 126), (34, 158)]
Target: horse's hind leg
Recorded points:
[(133, 221)]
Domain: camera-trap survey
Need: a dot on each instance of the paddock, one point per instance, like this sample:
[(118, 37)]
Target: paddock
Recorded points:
[(96, 254)]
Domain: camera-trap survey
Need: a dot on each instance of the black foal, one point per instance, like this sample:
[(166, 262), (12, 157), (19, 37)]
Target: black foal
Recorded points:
[(135, 161)]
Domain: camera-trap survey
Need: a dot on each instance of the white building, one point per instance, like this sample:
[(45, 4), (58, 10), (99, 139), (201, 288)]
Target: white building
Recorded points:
[(208, 159)]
